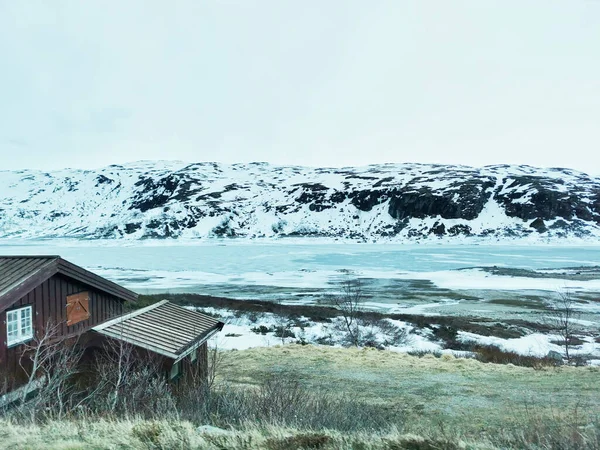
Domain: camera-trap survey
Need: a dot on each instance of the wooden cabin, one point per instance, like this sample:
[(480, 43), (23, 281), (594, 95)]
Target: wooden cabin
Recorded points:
[(38, 292)]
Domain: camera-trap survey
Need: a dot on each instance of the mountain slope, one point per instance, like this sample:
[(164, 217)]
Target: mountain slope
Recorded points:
[(379, 202)]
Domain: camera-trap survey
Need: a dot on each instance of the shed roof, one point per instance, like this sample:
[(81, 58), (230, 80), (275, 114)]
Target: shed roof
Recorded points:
[(20, 274), (163, 328)]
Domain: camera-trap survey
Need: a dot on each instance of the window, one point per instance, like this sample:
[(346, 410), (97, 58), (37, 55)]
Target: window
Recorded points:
[(19, 326), (194, 355)]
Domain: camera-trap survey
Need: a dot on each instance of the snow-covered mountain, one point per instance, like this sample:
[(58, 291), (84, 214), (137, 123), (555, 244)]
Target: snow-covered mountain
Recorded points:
[(399, 202)]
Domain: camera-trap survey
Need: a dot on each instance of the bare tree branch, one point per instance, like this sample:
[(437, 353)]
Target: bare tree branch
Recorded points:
[(561, 318), (349, 303)]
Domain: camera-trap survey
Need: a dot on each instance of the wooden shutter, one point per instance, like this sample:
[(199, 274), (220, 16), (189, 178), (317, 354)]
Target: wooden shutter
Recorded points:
[(78, 307)]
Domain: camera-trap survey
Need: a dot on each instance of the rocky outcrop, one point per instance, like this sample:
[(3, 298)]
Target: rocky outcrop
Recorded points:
[(391, 202)]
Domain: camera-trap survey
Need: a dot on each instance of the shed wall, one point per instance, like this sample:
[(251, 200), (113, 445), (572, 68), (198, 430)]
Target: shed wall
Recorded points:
[(195, 371)]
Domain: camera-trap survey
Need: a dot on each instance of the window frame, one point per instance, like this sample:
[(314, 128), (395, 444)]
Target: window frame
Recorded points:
[(21, 337)]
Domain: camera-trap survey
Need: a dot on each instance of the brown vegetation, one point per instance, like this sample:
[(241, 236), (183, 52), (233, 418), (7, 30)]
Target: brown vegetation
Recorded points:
[(301, 397)]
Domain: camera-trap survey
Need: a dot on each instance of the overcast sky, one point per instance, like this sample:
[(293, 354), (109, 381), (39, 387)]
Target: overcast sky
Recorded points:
[(312, 82)]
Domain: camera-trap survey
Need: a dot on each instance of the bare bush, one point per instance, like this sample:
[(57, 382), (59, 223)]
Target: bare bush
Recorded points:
[(389, 333), (349, 302), (562, 320), (114, 370), (494, 354), (215, 360), (421, 353), (284, 401), (49, 361), (128, 384)]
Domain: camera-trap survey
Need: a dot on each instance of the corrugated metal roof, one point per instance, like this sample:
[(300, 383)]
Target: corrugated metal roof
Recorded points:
[(20, 274), (16, 270), (163, 328)]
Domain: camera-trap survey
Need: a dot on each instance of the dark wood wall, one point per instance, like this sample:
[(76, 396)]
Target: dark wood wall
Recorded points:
[(194, 372), (49, 306)]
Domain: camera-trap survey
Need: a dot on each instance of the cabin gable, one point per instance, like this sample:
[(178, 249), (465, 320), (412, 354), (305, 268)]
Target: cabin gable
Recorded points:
[(35, 292), (48, 301)]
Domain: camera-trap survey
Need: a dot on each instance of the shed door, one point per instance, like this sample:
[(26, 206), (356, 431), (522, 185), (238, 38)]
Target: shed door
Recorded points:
[(78, 307)]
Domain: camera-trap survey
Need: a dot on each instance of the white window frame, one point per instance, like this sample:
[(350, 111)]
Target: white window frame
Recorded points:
[(16, 317)]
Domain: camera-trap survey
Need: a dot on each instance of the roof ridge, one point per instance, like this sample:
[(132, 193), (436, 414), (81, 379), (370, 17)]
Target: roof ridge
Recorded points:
[(31, 256)]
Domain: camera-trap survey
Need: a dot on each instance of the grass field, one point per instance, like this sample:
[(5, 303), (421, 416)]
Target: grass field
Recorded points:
[(426, 403), (464, 394), (174, 435)]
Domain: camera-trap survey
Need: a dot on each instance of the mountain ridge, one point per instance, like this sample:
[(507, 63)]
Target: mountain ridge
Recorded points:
[(380, 202)]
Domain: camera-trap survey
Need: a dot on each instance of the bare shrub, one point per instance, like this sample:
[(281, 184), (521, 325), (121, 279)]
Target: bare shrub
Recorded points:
[(494, 354), (362, 328), (421, 353), (449, 336), (283, 325), (368, 332), (215, 361), (283, 401), (561, 319), (349, 302), (130, 385), (392, 334), (49, 361)]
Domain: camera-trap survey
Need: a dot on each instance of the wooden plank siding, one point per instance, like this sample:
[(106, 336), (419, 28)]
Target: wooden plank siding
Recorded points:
[(48, 300), (193, 371)]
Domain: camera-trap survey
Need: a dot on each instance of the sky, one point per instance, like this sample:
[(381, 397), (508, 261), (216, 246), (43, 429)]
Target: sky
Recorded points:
[(319, 83)]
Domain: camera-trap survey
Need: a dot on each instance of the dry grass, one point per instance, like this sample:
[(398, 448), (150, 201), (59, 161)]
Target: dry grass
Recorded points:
[(138, 434), (463, 393), (432, 403), (167, 435)]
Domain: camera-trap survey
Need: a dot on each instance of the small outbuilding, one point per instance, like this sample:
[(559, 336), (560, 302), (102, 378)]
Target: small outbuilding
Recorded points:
[(37, 292), (177, 334)]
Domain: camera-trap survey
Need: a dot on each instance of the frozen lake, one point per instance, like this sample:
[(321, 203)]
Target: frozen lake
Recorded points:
[(304, 270), (468, 280)]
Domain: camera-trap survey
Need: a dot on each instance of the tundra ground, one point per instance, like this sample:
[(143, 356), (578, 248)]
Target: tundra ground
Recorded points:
[(464, 394), (425, 403)]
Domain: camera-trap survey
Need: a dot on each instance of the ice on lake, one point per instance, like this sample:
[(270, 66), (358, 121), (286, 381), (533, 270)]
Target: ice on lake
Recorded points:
[(399, 276)]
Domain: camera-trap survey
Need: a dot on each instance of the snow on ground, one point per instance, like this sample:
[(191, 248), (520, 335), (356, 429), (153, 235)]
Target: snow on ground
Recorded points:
[(422, 310), (535, 344), (238, 334)]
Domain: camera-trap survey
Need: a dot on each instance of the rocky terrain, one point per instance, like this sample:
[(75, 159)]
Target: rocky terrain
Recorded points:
[(388, 202)]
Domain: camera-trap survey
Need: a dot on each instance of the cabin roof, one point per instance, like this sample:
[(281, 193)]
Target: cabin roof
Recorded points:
[(20, 274), (162, 328)]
